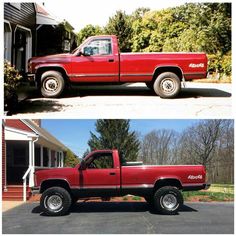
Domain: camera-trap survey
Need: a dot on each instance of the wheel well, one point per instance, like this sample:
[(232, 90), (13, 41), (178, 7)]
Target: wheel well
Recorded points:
[(167, 182), (54, 183), (174, 69), (41, 70)]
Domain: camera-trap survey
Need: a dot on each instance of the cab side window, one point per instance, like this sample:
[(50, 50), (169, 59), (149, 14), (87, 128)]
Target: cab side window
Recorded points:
[(98, 47), (102, 161)]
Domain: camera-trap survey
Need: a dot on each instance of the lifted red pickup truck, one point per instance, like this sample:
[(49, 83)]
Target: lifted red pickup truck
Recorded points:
[(104, 174), (98, 60)]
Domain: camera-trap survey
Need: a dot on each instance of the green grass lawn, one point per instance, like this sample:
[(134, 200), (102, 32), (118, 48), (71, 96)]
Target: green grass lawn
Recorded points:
[(217, 192)]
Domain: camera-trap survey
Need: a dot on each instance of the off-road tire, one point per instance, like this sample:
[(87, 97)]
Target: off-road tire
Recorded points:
[(167, 85), (57, 194), (168, 200), (52, 84)]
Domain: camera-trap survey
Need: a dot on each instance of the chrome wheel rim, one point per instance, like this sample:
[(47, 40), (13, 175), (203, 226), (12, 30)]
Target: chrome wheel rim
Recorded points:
[(169, 201), (54, 202), (168, 85), (50, 84)]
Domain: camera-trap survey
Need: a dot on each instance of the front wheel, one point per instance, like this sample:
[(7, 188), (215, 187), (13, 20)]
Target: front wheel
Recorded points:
[(55, 201), (168, 200), (52, 84), (167, 85)]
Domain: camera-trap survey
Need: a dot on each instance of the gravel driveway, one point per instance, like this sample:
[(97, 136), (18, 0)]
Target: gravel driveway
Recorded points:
[(121, 217)]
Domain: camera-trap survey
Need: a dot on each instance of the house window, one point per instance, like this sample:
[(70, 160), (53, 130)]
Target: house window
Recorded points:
[(45, 157), (37, 156)]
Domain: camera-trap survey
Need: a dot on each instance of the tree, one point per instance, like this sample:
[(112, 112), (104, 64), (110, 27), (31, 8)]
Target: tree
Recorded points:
[(120, 26), (71, 159), (202, 139), (87, 31), (158, 147), (115, 134)]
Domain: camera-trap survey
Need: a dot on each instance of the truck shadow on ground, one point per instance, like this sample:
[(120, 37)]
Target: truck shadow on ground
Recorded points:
[(141, 91), (95, 207)]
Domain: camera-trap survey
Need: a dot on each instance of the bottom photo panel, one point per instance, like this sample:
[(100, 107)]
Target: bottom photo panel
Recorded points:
[(116, 176)]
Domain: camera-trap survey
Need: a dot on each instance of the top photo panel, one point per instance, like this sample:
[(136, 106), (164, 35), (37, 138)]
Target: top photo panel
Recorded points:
[(145, 59)]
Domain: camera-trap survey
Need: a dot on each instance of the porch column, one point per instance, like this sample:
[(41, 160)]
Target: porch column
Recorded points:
[(41, 155), (31, 176), (62, 159), (49, 157), (56, 157)]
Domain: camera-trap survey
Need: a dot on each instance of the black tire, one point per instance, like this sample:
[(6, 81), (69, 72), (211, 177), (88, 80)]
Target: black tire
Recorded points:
[(167, 85), (55, 201), (52, 84), (168, 200)]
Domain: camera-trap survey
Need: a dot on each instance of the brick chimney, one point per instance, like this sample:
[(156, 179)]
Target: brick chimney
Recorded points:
[(37, 122)]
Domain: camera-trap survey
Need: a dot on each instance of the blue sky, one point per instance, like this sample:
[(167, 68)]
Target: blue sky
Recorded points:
[(76, 133)]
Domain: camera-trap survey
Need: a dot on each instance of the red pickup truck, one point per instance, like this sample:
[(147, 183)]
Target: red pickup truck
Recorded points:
[(98, 60), (105, 174)]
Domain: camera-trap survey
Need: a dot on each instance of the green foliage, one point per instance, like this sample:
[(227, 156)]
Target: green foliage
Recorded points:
[(87, 31), (120, 26), (70, 159), (12, 79), (136, 198), (115, 134), (209, 196), (220, 63), (192, 27)]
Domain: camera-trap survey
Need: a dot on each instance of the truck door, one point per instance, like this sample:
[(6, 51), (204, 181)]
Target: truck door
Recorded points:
[(97, 62), (100, 176)]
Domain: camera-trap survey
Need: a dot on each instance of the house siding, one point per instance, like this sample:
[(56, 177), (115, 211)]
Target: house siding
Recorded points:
[(3, 158), (17, 124), (26, 16)]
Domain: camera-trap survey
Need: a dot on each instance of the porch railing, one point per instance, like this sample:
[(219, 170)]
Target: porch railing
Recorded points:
[(25, 182)]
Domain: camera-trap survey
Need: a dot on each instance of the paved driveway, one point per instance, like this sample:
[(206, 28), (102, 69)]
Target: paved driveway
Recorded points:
[(122, 217), (203, 100)]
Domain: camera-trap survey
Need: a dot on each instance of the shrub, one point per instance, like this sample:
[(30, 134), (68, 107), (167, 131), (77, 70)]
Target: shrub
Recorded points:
[(11, 82)]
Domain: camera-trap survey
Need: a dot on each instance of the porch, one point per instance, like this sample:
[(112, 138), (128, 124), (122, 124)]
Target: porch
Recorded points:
[(27, 152)]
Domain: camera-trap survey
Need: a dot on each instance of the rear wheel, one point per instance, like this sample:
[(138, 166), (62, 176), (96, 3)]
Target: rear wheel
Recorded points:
[(168, 200), (167, 85), (52, 84), (55, 201)]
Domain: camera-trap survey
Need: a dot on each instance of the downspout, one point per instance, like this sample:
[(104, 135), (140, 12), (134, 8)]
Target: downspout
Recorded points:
[(33, 163)]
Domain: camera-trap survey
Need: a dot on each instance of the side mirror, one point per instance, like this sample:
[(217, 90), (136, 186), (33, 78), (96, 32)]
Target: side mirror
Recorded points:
[(82, 165)]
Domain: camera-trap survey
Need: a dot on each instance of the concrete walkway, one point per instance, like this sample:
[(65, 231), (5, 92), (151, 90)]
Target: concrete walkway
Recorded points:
[(8, 205)]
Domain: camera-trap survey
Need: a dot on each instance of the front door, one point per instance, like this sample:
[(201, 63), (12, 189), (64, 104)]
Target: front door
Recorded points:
[(100, 176), (97, 64)]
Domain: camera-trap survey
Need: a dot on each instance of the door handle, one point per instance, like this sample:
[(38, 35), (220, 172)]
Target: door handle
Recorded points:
[(112, 173), (110, 60)]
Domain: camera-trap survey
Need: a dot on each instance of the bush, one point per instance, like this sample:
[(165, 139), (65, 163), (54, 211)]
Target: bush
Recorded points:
[(220, 64), (11, 82)]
